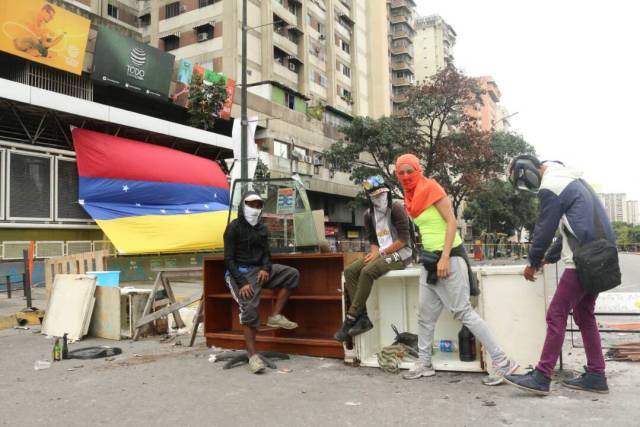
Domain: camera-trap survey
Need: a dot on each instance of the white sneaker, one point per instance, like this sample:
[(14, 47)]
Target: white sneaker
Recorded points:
[(507, 367), (419, 370), (279, 321)]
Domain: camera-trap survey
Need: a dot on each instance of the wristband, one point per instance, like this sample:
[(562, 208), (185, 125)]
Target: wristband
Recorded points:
[(382, 252)]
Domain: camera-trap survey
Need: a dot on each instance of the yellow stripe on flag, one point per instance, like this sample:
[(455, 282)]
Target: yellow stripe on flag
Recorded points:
[(170, 233)]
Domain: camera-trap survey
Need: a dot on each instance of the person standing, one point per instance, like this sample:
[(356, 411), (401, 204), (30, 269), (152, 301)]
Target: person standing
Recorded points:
[(249, 269), (428, 205), (387, 227), (569, 205)]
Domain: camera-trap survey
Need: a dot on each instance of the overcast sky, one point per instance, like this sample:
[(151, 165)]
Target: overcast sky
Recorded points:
[(569, 68)]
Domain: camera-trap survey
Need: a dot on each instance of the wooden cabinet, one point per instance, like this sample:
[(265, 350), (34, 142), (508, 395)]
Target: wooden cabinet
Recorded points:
[(316, 305)]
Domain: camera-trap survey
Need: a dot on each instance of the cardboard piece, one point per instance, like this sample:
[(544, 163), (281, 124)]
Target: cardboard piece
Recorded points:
[(105, 321), (70, 306)]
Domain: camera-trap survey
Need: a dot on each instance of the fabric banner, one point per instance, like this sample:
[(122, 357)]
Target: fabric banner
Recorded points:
[(42, 32), (148, 198)]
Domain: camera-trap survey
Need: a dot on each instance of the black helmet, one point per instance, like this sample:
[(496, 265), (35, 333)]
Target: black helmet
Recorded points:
[(524, 173)]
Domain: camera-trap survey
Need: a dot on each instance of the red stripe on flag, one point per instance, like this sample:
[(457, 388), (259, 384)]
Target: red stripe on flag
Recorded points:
[(104, 156)]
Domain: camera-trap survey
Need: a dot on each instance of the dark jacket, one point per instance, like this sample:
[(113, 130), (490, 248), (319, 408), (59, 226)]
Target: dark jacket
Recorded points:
[(245, 245), (566, 204)]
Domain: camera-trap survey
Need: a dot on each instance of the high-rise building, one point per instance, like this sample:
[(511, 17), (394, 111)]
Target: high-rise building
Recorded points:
[(487, 111), (434, 42), (633, 212), (401, 50), (615, 205)]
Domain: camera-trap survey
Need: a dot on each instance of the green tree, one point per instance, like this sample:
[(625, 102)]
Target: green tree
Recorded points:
[(500, 209), (206, 100), (371, 147)]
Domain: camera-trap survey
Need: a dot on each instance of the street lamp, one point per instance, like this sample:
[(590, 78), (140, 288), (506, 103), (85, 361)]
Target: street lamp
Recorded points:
[(244, 121)]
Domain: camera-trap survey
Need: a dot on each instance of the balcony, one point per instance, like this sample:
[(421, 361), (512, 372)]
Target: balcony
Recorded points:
[(346, 81), (198, 49), (346, 57), (402, 81), (403, 50), (317, 62), (400, 98), (406, 4), (343, 31), (283, 71), (287, 45), (187, 18), (402, 66), (403, 19), (401, 34), (284, 13), (343, 105), (318, 90)]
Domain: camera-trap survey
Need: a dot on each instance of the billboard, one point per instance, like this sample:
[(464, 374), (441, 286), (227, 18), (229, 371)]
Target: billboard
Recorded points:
[(41, 32), (124, 62), (186, 70)]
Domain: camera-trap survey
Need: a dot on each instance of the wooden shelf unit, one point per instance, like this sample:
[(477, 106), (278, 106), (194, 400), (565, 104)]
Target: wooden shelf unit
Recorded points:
[(316, 305)]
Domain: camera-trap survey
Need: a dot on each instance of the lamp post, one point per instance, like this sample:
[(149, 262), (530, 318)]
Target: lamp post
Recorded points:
[(244, 121)]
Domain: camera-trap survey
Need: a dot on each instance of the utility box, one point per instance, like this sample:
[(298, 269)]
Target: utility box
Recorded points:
[(513, 308)]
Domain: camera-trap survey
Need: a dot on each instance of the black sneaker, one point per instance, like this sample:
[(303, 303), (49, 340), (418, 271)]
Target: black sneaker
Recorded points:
[(589, 381), (534, 382), (342, 334), (363, 324)]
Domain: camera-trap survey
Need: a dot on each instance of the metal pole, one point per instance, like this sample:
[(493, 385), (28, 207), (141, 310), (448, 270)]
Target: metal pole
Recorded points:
[(9, 287), (244, 172), (26, 278)]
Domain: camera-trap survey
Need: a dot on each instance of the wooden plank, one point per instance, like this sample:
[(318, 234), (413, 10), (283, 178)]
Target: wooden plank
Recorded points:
[(147, 306), (196, 321), (167, 310), (106, 318), (167, 287)]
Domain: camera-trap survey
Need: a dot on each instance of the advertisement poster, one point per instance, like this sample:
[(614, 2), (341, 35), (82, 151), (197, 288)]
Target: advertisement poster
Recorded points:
[(286, 201), (186, 70), (124, 62), (41, 32)]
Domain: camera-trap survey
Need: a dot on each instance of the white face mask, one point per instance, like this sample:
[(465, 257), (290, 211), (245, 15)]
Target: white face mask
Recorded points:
[(252, 215), (380, 203)]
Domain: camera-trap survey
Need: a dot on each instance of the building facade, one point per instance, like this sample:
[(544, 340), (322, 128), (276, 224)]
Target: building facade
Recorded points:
[(616, 206), (434, 42), (633, 212)]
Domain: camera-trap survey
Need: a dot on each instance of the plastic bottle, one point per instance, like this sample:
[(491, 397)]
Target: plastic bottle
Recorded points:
[(445, 346), (467, 345)]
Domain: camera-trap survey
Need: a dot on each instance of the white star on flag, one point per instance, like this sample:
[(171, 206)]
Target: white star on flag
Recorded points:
[(125, 188), (163, 211), (206, 206), (187, 211), (138, 204)]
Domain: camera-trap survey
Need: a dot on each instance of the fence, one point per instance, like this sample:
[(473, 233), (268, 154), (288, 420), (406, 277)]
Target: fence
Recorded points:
[(12, 250)]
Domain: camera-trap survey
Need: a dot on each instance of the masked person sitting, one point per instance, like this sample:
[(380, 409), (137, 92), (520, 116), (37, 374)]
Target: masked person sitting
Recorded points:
[(248, 261), (387, 228)]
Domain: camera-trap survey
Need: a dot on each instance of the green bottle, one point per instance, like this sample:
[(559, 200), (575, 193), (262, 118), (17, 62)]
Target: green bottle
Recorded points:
[(65, 347), (56, 351)]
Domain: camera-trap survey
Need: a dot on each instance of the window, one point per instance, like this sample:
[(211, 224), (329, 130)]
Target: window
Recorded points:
[(205, 3), (345, 46), (323, 80), (292, 8), (290, 100), (345, 70), (281, 149), (171, 42), (172, 9), (145, 20), (112, 11), (299, 153), (320, 28)]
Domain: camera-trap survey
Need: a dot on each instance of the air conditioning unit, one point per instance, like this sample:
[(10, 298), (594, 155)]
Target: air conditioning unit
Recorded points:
[(308, 159), (183, 9), (317, 161), (292, 66), (203, 37), (295, 155), (322, 37)]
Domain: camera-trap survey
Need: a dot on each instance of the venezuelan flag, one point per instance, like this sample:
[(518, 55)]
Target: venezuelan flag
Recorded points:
[(148, 198)]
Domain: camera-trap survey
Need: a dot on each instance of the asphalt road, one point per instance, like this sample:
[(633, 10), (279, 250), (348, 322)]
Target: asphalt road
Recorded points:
[(630, 267)]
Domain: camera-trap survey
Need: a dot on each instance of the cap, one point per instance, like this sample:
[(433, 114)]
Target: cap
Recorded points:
[(378, 191), (253, 198)]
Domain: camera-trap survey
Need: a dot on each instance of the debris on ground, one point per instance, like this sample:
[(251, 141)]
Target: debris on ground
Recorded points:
[(624, 352), (284, 371), (41, 364), (238, 358), (353, 403), (98, 352), (488, 403)]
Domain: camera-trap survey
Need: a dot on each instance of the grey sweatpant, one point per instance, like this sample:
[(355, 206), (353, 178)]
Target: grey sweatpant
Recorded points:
[(281, 276), (451, 293)]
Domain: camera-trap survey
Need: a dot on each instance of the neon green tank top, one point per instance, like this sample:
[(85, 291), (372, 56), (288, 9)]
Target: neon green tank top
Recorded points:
[(433, 230)]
